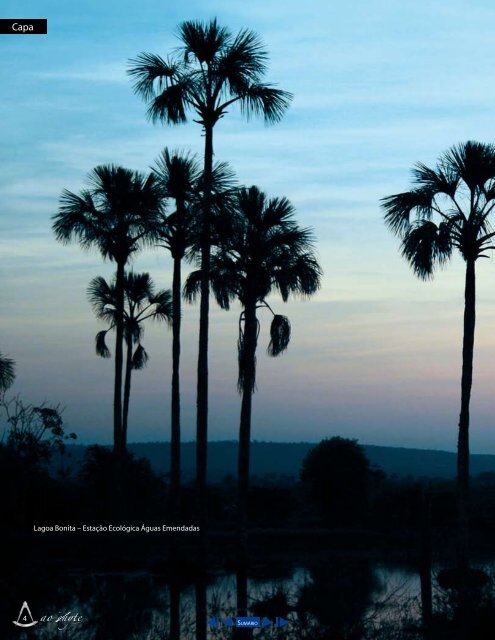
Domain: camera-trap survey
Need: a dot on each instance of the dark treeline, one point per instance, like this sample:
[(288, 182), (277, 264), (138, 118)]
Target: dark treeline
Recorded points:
[(341, 512), (336, 486), (282, 460)]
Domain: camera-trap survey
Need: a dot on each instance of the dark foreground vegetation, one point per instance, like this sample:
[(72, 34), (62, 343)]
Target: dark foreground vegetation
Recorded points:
[(340, 520)]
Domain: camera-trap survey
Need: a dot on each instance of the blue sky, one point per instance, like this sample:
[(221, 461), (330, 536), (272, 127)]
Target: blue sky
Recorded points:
[(378, 86)]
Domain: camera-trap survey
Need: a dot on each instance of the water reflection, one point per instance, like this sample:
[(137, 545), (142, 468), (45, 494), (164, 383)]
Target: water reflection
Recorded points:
[(338, 599), (337, 595)]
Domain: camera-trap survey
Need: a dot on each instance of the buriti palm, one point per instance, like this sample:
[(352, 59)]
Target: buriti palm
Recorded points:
[(211, 71), (177, 231), (114, 215), (264, 252), (450, 208), (141, 302)]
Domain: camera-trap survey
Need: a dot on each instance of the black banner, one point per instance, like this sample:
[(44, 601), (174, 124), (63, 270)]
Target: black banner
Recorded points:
[(23, 25)]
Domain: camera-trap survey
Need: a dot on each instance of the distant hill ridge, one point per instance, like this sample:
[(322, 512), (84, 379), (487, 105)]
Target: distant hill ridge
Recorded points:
[(285, 459)]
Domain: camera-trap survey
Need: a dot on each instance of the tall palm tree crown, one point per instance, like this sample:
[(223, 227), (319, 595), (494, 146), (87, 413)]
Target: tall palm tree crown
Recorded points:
[(211, 70), (264, 250), (178, 174), (114, 214), (182, 181), (450, 208)]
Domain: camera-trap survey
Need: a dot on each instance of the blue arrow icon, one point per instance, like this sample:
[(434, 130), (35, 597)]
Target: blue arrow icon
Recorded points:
[(280, 622), (229, 622), (267, 622), (213, 623)]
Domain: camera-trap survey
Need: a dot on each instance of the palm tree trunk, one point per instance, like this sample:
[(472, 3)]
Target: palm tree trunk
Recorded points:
[(463, 439), (248, 381), (463, 448), (174, 629), (175, 417), (425, 566), (241, 576), (118, 443), (127, 390), (202, 383), (201, 605)]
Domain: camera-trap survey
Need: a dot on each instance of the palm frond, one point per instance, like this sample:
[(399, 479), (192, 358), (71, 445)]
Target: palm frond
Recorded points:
[(203, 40), (7, 372), (442, 180), (170, 105), (279, 212), (140, 358), (77, 219), (426, 245), (223, 178), (279, 335), (179, 172), (266, 101), (473, 163), (101, 348), (102, 295), (490, 190), (243, 63), (398, 208), (224, 282), (192, 286), (299, 274), (251, 203), (163, 309), (138, 287), (151, 73)]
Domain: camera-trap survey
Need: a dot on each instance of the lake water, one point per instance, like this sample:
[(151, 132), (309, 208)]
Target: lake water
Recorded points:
[(347, 596)]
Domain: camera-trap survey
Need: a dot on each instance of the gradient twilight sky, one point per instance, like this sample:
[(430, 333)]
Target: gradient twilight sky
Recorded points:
[(378, 86)]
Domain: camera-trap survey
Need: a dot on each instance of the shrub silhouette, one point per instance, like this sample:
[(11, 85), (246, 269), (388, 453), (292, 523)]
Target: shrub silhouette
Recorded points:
[(337, 474), (143, 491)]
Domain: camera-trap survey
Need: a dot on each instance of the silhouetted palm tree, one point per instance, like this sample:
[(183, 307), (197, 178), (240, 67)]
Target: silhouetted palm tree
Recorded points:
[(113, 215), (182, 182), (141, 302), (449, 208), (211, 71), (265, 251), (179, 174), (7, 372)]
